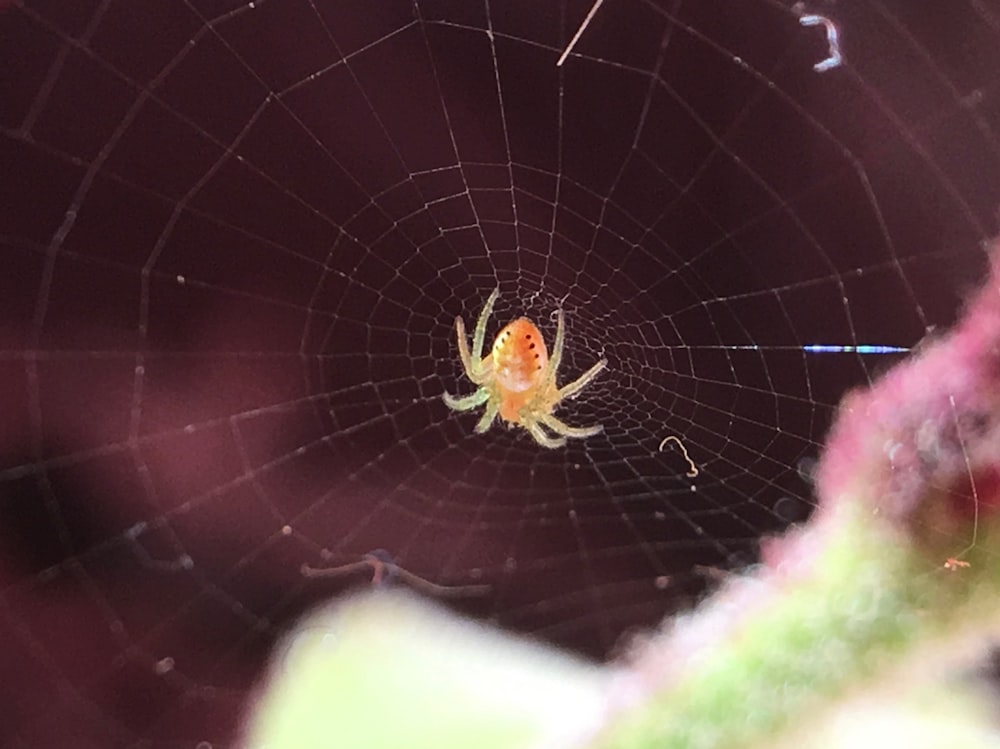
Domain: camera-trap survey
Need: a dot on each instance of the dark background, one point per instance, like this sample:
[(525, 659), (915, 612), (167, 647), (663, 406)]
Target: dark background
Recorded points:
[(235, 238)]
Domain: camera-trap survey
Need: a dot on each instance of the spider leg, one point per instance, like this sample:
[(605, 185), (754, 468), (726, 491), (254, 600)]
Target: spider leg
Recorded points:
[(476, 369), (542, 438), (556, 357), (488, 415), (573, 388), (472, 361), (566, 430), (466, 402), (479, 337), (463, 349)]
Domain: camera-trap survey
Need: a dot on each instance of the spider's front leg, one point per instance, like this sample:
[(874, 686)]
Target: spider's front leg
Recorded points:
[(564, 429), (488, 415), (542, 438)]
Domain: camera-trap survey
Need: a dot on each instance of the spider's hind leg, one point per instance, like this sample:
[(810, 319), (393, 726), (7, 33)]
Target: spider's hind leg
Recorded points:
[(573, 388), (479, 337), (472, 361), (466, 402), (557, 348), (463, 349)]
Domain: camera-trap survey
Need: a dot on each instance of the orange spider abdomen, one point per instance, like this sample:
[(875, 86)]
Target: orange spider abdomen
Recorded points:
[(519, 358)]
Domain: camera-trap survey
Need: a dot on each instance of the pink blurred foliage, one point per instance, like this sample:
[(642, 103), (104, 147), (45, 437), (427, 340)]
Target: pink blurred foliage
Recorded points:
[(921, 444)]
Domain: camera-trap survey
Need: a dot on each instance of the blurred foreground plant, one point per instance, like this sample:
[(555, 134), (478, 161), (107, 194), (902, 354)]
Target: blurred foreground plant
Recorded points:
[(862, 628)]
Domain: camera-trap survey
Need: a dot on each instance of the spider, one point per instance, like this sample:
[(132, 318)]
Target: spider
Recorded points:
[(518, 379)]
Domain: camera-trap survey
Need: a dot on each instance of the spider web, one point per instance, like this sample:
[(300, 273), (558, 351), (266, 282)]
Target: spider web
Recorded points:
[(236, 237)]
